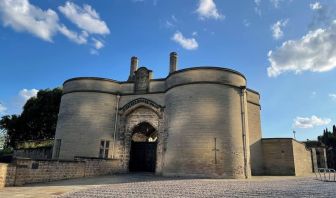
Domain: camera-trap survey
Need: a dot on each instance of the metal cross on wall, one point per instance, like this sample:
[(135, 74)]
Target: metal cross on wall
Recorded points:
[(215, 150)]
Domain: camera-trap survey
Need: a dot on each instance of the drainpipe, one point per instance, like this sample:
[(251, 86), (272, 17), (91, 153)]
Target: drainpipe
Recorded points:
[(115, 125), (244, 127)]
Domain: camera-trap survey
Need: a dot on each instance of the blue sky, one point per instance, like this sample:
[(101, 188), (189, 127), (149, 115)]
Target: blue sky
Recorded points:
[(285, 48)]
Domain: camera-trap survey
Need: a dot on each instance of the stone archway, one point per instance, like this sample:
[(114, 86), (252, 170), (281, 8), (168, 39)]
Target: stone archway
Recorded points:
[(133, 114), (143, 148)]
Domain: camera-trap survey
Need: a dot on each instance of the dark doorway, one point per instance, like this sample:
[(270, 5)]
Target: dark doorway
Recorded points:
[(143, 148)]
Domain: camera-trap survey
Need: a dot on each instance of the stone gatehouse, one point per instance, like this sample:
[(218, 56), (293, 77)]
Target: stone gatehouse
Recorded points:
[(199, 121)]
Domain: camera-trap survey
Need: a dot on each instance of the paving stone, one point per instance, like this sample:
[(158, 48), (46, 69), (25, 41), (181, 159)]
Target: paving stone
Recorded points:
[(183, 187)]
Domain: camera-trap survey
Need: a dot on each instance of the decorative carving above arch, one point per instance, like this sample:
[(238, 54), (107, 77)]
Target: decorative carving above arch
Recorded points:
[(141, 102), (142, 79), (132, 114)]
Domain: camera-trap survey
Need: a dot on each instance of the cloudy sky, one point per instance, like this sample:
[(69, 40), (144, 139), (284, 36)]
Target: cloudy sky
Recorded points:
[(285, 48)]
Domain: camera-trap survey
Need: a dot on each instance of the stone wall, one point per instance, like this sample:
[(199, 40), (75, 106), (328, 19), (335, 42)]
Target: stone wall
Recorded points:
[(26, 171), (85, 118), (7, 174), (196, 115), (285, 156), (278, 156), (255, 132), (302, 159)]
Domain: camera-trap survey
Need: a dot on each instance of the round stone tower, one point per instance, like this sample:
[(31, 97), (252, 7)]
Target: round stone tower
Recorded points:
[(206, 125)]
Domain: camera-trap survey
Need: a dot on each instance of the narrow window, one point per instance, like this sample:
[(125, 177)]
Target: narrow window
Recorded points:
[(107, 145), (104, 148), (57, 148)]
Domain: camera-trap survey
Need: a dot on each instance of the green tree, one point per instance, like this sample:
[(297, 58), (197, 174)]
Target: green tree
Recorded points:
[(37, 121), (329, 140)]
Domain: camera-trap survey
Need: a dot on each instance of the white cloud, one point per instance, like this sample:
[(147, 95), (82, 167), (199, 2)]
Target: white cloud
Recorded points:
[(323, 16), (276, 3), (276, 28), (186, 43), (27, 93), (97, 43), (74, 36), (257, 7), (85, 18), (314, 52), (246, 23), (315, 6), (2, 109), (310, 122), (332, 96), (208, 9), (257, 2), (25, 17), (94, 52), (170, 23), (257, 10), (174, 18)]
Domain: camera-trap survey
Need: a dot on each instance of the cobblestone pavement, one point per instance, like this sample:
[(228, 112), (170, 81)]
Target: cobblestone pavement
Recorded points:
[(146, 185), (174, 187)]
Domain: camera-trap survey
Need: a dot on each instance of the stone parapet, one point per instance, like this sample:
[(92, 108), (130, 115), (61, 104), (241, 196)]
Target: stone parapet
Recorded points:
[(197, 75)]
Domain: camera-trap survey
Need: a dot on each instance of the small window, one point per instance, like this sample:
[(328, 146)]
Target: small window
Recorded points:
[(104, 148), (57, 148)]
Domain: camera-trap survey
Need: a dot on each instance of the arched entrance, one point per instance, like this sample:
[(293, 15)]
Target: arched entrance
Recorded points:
[(136, 113), (143, 148)]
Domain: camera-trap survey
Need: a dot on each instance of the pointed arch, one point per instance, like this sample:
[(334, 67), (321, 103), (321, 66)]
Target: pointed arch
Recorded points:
[(141, 102), (135, 112)]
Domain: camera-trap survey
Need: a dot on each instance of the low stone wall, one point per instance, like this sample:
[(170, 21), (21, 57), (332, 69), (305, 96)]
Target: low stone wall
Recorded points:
[(285, 156), (95, 166), (25, 171), (278, 156), (7, 174)]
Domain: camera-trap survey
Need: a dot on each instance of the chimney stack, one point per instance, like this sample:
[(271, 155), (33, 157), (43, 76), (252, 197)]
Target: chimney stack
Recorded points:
[(173, 62), (134, 67)]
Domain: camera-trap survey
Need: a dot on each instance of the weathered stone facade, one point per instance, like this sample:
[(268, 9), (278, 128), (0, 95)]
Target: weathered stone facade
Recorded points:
[(207, 122)]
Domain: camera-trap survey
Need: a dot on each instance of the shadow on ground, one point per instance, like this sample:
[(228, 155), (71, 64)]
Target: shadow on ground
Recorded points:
[(110, 179)]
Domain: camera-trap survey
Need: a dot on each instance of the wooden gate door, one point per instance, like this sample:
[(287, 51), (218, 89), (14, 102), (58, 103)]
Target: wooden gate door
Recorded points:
[(142, 157)]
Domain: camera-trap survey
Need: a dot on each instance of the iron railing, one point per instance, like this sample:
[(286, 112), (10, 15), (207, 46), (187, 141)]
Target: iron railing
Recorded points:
[(326, 174)]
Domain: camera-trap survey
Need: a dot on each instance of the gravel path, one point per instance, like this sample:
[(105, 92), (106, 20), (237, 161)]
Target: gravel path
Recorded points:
[(174, 187)]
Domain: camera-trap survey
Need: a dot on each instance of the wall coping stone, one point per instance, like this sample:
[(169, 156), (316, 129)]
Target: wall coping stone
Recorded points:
[(160, 79), (94, 158), (46, 160), (291, 139)]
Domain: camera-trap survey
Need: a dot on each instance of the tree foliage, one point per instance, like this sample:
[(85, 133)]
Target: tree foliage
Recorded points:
[(329, 137), (37, 121), (329, 140)]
